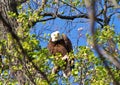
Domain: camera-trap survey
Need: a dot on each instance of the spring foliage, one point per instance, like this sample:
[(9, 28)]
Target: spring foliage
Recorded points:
[(89, 68)]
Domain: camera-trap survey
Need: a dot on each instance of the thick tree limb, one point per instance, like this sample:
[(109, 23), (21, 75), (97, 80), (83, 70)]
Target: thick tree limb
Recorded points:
[(10, 25), (54, 16), (9, 29), (69, 17)]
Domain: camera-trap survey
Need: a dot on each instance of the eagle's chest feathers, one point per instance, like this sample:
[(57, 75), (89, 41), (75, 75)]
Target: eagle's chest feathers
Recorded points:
[(59, 43), (59, 47)]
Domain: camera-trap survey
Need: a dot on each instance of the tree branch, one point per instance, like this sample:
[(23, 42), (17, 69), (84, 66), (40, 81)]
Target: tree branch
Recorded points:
[(71, 6), (20, 1), (65, 16), (53, 16)]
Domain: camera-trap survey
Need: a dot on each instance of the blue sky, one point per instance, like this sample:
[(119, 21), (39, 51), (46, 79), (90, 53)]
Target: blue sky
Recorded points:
[(60, 25), (74, 33), (70, 28)]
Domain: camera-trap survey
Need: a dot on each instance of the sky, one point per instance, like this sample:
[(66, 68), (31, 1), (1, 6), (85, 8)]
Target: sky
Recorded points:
[(70, 28), (74, 33)]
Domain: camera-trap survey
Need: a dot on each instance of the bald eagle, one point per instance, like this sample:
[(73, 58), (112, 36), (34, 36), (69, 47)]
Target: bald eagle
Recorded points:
[(61, 44)]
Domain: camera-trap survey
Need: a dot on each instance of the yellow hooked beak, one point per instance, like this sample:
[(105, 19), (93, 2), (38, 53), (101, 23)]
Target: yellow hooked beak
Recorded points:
[(57, 35)]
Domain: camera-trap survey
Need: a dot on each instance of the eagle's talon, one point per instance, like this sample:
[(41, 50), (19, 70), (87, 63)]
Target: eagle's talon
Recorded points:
[(65, 57)]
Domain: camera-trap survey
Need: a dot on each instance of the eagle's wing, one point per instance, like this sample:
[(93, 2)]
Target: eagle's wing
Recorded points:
[(70, 63), (68, 43)]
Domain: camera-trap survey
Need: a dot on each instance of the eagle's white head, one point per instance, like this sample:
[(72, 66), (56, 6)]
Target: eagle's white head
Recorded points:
[(55, 36)]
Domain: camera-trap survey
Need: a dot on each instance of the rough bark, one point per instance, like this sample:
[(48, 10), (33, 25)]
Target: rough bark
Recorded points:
[(9, 25)]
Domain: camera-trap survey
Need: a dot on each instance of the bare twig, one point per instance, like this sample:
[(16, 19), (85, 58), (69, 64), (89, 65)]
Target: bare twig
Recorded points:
[(71, 6)]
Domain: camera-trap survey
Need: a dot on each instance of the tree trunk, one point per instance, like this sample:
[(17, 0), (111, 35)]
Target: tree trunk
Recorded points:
[(7, 25)]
